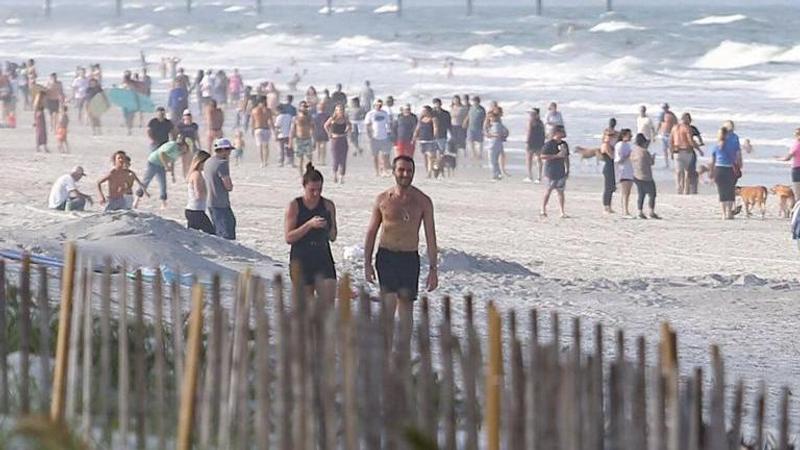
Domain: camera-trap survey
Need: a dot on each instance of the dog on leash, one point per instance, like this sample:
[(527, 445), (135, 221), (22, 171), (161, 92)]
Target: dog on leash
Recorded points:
[(786, 196), (587, 154), (753, 196), (444, 165)]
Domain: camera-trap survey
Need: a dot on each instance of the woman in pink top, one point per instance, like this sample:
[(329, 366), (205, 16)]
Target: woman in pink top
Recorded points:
[(794, 156)]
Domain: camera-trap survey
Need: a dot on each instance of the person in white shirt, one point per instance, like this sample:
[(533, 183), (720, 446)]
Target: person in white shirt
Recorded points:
[(65, 196), (644, 125), (378, 123), (79, 86), (553, 119)]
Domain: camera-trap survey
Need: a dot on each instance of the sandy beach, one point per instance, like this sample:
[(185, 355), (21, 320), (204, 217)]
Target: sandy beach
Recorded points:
[(727, 282)]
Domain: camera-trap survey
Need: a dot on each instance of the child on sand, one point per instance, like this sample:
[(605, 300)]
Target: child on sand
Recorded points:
[(238, 144), (120, 180), (61, 130)]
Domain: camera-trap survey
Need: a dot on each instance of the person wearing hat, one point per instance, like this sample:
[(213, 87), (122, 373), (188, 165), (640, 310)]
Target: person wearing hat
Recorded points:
[(218, 180), (65, 196), (161, 161), (189, 130)]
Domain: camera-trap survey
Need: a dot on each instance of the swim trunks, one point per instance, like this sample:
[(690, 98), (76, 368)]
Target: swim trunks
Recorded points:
[(261, 136), (303, 147), (398, 272)]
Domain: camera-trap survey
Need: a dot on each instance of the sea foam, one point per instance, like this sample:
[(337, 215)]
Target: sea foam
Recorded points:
[(615, 25), (488, 51), (718, 20), (734, 55)]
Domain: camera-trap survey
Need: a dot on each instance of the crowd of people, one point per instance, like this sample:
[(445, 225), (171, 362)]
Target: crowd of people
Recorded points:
[(333, 125)]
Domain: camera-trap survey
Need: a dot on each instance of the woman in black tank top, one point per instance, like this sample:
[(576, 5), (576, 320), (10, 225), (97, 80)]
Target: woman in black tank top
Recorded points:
[(310, 228)]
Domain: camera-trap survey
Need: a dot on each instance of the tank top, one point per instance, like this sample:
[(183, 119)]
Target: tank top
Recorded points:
[(425, 131), (193, 202), (316, 239), (338, 128)]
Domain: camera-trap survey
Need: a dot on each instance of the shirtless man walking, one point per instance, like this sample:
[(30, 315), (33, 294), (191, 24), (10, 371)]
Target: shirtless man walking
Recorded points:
[(215, 118), (667, 120), (300, 136), (262, 125), (401, 211), (682, 147)]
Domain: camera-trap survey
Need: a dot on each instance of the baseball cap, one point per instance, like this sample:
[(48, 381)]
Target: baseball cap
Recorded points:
[(79, 170), (222, 144), (186, 112)]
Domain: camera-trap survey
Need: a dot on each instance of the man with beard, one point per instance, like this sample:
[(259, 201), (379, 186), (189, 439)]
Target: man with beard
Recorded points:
[(399, 212)]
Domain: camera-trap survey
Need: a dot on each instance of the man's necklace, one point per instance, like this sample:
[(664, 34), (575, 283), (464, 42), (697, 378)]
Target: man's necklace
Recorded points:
[(406, 215)]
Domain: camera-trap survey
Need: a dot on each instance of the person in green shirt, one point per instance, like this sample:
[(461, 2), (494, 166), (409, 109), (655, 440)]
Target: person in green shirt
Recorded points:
[(161, 161)]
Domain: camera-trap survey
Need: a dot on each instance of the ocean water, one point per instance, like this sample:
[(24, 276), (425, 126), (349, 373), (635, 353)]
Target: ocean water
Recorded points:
[(736, 62)]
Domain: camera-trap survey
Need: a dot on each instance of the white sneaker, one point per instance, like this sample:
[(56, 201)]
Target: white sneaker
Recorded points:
[(538, 181), (527, 180)]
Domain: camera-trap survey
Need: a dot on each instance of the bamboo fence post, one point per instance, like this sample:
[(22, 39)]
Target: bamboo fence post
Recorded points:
[(124, 361), (24, 323), (88, 327), (596, 401), (3, 342), (717, 437), (64, 324), (383, 325), (494, 379), (783, 415), (615, 406), (370, 348), (448, 378), (105, 353), (347, 348), (139, 363), (696, 410), (516, 436), (262, 376), (761, 401), (638, 430), (189, 385), (669, 368), (735, 436), (470, 370), (74, 348), (159, 363), (211, 403), (534, 381), (576, 386), (300, 363), (427, 416), (285, 438), (224, 432), (176, 319), (44, 339), (242, 366)]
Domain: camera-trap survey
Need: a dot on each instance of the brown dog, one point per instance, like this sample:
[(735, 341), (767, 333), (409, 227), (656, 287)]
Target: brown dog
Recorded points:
[(444, 165), (587, 154), (752, 196), (786, 196)]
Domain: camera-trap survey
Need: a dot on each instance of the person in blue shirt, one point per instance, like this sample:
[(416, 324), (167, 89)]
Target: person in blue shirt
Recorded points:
[(178, 101), (726, 159)]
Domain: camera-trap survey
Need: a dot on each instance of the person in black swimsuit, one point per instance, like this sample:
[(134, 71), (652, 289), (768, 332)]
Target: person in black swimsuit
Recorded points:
[(310, 228)]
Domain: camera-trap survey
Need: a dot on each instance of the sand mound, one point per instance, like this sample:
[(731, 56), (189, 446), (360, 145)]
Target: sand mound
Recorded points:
[(143, 240), (458, 261)]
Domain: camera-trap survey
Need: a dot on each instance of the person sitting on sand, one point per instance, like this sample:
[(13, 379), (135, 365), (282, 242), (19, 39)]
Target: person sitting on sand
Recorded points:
[(119, 182), (65, 196), (159, 163), (556, 168), (195, 212), (310, 227)]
